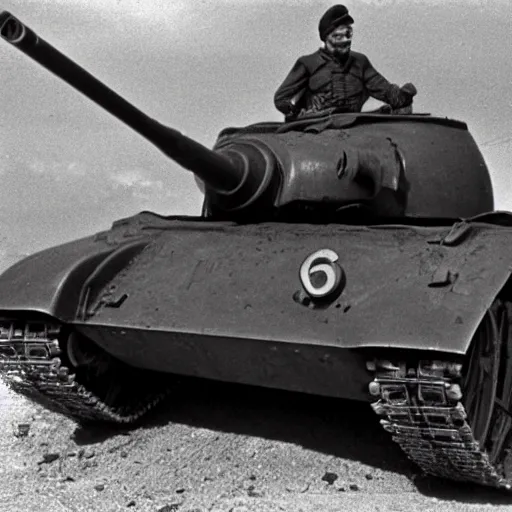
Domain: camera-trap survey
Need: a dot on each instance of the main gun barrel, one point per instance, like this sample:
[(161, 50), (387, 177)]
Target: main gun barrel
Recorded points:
[(217, 170)]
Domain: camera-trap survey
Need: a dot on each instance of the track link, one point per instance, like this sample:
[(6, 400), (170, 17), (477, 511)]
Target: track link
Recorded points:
[(421, 407), (31, 364), (454, 419)]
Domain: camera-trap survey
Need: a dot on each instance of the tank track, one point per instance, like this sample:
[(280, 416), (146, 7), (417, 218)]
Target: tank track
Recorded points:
[(421, 404), (422, 409), (454, 420), (31, 364)]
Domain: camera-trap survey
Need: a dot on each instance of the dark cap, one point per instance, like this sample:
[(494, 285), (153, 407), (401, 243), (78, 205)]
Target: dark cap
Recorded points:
[(333, 17)]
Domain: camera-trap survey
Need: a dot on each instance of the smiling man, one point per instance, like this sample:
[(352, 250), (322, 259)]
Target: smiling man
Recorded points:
[(335, 77)]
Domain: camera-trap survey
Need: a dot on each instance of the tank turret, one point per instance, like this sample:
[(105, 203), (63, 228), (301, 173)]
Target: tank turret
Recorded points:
[(415, 166)]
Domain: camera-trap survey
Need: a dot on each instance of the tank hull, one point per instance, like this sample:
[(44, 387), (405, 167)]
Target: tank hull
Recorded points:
[(234, 281), (219, 300)]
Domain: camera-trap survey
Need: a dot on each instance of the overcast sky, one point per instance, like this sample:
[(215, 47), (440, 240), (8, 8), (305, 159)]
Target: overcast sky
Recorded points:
[(68, 169)]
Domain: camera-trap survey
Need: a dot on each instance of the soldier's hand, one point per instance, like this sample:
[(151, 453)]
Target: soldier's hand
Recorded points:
[(409, 89)]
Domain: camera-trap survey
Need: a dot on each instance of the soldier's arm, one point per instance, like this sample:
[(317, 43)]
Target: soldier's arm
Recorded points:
[(294, 84), (381, 89)]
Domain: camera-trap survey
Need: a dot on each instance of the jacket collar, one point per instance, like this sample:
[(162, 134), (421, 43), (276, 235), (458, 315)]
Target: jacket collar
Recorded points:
[(326, 56)]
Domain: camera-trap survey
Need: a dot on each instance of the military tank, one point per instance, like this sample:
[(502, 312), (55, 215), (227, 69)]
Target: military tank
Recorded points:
[(348, 255)]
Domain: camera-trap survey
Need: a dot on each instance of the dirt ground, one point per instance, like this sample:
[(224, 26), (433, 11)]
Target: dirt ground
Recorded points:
[(220, 448)]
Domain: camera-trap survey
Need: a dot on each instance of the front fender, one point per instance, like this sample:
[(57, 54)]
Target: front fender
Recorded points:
[(54, 281), (50, 281)]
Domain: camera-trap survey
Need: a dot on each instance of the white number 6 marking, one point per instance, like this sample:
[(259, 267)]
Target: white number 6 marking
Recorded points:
[(324, 261)]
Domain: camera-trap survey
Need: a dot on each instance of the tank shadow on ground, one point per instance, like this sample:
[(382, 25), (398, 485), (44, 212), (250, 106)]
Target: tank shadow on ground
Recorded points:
[(341, 428), (455, 491)]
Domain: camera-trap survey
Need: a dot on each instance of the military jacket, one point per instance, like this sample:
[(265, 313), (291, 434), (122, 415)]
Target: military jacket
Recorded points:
[(322, 82)]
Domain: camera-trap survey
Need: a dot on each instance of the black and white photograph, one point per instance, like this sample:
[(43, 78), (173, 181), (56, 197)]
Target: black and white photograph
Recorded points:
[(256, 255)]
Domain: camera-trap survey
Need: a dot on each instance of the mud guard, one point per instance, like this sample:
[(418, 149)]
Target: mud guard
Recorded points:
[(53, 281)]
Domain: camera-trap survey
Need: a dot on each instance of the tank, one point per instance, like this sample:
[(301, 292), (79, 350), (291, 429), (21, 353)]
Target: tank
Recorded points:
[(347, 255)]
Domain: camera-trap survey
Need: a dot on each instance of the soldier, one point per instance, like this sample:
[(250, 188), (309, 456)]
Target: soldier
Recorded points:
[(336, 78)]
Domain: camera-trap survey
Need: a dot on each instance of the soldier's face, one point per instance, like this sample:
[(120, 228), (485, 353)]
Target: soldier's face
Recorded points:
[(338, 42)]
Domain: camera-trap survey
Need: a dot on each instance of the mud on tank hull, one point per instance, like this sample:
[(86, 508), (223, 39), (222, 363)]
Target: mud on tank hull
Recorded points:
[(94, 304)]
